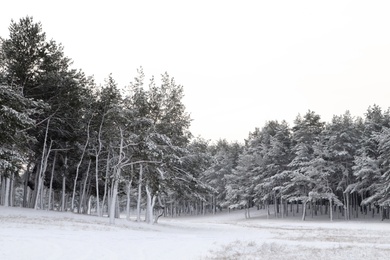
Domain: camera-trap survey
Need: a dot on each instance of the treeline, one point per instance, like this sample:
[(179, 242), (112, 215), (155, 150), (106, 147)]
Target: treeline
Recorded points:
[(342, 165), (67, 143)]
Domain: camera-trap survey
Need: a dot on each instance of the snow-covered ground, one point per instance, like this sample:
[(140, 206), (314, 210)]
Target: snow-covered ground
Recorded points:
[(31, 234)]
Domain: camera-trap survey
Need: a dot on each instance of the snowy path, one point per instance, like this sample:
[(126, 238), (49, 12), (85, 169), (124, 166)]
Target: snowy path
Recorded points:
[(29, 234)]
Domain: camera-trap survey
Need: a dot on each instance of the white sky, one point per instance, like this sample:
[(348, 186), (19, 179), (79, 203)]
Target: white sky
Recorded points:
[(241, 62)]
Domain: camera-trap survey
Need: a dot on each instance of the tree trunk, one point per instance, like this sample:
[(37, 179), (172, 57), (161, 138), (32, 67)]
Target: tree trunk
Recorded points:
[(275, 206), (214, 204), (304, 211), (78, 168), (25, 186), (331, 208), (128, 190), (248, 212), (282, 206), (117, 175), (63, 193), (100, 213), (89, 205), (6, 191), (42, 168), (150, 201), (106, 183), (97, 184), (49, 206), (34, 191), (84, 186), (114, 197), (12, 191), (347, 217), (41, 177), (139, 194), (268, 211)]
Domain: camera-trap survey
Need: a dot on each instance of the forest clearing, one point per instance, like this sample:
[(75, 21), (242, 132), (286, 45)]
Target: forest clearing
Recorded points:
[(38, 234)]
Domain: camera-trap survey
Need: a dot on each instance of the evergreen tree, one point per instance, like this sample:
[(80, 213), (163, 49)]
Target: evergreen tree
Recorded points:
[(305, 134)]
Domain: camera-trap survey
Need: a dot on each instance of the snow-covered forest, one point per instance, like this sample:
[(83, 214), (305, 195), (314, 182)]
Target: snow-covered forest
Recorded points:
[(69, 144)]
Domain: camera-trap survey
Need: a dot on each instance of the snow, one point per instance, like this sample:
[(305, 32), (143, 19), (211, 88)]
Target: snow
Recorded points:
[(37, 234)]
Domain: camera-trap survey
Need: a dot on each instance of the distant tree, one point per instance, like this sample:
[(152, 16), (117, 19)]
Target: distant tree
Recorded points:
[(306, 133), (225, 158), (367, 168)]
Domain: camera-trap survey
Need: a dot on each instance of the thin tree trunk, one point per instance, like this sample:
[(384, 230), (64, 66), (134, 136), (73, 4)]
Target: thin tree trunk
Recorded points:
[(268, 212), (275, 206), (25, 186), (106, 182), (49, 206), (128, 190), (331, 208), (97, 184), (247, 207), (163, 209), (84, 185), (98, 151), (116, 177), (2, 189), (304, 211), (64, 184), (89, 205), (12, 191), (114, 196), (150, 201), (139, 194), (42, 197), (78, 166), (347, 207), (33, 195), (41, 175), (7, 191), (214, 204), (42, 168)]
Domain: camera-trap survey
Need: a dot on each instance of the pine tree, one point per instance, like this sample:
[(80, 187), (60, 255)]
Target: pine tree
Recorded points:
[(16, 119), (305, 134)]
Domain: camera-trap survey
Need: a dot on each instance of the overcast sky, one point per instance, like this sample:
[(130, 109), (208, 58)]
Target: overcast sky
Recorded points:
[(241, 63)]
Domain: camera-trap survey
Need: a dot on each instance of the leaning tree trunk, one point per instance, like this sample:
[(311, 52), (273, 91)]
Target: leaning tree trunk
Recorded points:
[(84, 186), (163, 209), (41, 175), (42, 168), (77, 170)]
